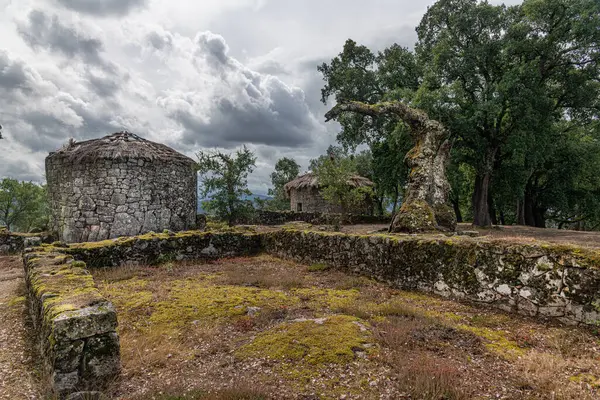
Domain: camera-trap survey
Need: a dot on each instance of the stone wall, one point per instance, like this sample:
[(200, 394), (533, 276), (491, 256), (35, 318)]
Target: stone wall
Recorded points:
[(109, 198), (316, 218), (550, 281), (15, 243), (155, 248), (311, 201), (75, 326), (11, 243)]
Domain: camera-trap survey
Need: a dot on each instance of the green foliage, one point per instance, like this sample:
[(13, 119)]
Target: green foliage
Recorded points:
[(334, 175), (286, 170), (359, 74), (224, 179), (23, 206), (518, 88)]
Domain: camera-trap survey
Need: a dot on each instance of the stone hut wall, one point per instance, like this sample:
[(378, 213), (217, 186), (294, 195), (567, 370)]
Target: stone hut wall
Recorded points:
[(313, 202), (109, 198)]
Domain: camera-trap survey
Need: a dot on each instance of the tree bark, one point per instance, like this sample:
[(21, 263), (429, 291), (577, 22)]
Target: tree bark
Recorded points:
[(481, 209), (457, 212), (492, 209), (520, 212), (481, 213), (425, 206)]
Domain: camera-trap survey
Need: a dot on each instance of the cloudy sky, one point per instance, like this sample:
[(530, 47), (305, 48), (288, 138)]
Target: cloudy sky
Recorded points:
[(191, 74)]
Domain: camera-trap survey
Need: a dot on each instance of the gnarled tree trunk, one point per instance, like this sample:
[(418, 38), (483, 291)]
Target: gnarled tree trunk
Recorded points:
[(425, 206)]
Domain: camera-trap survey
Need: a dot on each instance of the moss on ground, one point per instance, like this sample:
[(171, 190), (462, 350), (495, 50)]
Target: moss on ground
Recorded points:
[(191, 300), (331, 340), (497, 341)]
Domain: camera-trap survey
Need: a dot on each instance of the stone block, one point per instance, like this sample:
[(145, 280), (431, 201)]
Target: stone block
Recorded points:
[(101, 361), (90, 321), (67, 355)]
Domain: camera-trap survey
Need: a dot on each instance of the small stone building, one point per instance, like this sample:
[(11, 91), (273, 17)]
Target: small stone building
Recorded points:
[(119, 185), (305, 196)]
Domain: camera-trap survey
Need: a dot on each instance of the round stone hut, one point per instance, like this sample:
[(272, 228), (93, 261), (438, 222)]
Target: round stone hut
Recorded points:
[(119, 185), (305, 196)]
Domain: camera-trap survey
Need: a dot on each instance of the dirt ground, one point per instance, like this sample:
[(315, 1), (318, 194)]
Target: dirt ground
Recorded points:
[(18, 377), (520, 233), (263, 328)]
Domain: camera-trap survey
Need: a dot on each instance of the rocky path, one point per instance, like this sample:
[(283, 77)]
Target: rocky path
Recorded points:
[(17, 370)]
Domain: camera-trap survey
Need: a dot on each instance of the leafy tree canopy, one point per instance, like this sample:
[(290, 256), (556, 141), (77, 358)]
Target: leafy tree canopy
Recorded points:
[(23, 206), (514, 85), (286, 170), (224, 180)]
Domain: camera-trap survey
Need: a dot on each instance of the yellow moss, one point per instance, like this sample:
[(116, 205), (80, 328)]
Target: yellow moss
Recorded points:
[(190, 300), (16, 300), (332, 340), (497, 342), (319, 267), (590, 379), (128, 295)]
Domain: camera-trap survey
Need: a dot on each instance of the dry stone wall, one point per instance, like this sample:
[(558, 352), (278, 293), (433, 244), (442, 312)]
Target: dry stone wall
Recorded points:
[(100, 199), (156, 248), (75, 326), (549, 281), (282, 217), (15, 243)]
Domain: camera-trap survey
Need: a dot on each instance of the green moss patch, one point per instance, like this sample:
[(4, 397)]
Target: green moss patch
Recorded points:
[(331, 340), (191, 300)]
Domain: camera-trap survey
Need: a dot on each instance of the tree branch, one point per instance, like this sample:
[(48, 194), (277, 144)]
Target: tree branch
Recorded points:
[(417, 119)]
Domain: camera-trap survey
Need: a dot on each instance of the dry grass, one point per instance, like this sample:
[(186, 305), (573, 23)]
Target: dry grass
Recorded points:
[(426, 378), (418, 346), (284, 278), (241, 391), (541, 376)]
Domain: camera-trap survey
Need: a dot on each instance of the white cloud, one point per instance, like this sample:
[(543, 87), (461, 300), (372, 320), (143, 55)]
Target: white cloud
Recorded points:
[(189, 74)]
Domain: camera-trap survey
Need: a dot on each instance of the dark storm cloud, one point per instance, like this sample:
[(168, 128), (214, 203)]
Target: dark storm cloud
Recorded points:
[(103, 87), (103, 8), (13, 74), (46, 132), (45, 31), (246, 107), (230, 126)]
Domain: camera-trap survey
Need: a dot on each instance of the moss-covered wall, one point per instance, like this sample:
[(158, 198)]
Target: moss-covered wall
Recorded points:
[(156, 248), (14, 243), (282, 217), (549, 281), (75, 326)]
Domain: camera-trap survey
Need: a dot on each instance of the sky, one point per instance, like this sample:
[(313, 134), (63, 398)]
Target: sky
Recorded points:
[(195, 75)]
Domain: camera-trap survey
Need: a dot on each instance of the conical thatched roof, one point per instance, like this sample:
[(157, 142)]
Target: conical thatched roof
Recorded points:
[(119, 146), (310, 181)]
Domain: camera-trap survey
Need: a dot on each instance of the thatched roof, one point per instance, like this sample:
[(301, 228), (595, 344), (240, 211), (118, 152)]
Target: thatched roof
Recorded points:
[(119, 146), (310, 181)]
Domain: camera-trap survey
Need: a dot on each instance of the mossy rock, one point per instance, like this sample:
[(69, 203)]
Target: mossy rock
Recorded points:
[(415, 217), (445, 217)]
